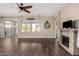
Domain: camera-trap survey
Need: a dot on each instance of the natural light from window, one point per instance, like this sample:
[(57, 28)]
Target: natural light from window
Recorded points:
[(31, 26)]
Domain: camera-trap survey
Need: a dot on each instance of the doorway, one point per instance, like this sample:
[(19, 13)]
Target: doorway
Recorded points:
[(10, 29)]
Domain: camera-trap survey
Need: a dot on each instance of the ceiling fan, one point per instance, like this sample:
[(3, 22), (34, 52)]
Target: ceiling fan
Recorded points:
[(24, 8)]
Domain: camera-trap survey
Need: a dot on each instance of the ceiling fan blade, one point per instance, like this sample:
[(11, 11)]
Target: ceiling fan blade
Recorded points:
[(27, 7), (27, 11), (18, 4)]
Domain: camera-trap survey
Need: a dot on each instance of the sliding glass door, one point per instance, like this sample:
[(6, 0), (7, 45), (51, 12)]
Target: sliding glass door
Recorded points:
[(10, 29), (7, 29)]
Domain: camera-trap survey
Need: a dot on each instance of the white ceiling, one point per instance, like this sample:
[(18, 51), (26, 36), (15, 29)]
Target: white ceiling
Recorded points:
[(44, 9)]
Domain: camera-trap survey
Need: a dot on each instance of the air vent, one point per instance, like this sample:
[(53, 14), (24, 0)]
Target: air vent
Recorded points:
[(30, 18)]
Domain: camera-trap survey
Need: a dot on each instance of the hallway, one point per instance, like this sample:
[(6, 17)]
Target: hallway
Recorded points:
[(31, 47)]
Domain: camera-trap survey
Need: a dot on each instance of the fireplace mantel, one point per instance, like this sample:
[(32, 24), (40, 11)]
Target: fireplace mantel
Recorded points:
[(68, 33)]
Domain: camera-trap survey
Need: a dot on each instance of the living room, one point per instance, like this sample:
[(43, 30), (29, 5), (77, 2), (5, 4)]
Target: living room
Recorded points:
[(39, 31)]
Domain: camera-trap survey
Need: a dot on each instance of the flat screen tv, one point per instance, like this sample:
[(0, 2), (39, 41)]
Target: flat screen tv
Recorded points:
[(67, 24)]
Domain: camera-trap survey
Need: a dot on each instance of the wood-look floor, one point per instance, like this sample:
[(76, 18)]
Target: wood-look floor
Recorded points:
[(31, 47)]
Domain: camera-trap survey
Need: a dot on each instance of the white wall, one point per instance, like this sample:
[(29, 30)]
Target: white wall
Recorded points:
[(69, 12), (45, 33)]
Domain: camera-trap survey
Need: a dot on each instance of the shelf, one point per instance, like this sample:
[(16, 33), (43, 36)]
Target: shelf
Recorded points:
[(68, 29)]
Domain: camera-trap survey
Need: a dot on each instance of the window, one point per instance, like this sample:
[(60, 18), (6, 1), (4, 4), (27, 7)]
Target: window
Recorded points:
[(30, 26), (25, 27), (36, 27), (7, 24)]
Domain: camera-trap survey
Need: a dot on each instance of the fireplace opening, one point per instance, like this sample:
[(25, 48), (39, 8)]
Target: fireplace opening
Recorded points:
[(65, 41)]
